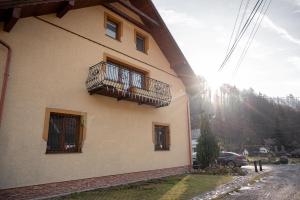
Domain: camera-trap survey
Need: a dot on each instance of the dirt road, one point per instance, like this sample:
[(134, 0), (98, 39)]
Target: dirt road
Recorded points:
[(282, 183)]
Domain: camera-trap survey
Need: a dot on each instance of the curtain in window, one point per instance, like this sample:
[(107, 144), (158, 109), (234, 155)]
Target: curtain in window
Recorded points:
[(112, 72)]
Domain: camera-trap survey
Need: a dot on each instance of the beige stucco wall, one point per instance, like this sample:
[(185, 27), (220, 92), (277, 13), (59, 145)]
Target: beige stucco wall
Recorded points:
[(49, 67)]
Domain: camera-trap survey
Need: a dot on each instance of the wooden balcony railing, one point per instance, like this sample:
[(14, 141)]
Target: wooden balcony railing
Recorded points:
[(125, 84)]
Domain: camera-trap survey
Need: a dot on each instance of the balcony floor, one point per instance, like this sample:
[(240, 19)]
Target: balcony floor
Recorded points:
[(128, 96)]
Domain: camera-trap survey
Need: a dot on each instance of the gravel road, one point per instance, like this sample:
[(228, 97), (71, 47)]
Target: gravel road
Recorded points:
[(282, 183)]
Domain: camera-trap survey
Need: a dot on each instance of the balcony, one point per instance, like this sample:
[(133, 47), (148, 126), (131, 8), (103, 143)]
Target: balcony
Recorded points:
[(122, 83)]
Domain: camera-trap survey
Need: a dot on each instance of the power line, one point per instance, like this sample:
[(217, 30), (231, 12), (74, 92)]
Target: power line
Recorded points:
[(252, 35), (242, 20), (236, 19), (242, 32)]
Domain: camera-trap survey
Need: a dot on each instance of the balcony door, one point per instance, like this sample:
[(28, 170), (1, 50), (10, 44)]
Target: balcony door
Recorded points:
[(125, 78), (129, 78)]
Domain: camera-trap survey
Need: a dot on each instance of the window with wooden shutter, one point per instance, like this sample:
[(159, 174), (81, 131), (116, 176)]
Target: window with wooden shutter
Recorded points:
[(64, 131), (161, 137)]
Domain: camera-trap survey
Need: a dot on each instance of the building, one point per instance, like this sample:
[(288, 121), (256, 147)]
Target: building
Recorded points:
[(195, 135), (96, 96)]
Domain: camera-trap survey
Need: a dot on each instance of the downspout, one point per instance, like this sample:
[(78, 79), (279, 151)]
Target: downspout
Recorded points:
[(5, 78), (189, 133)]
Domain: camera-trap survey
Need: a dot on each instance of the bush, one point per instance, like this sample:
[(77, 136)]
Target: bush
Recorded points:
[(283, 160), (221, 170), (207, 147)]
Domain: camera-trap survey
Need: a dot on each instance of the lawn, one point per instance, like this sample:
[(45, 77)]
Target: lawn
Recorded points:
[(171, 188)]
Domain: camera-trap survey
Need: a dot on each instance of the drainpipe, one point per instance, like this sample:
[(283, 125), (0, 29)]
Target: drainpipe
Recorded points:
[(189, 133), (5, 78)]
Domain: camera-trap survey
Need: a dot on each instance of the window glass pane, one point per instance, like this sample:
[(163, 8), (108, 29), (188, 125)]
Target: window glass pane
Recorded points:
[(122, 74), (125, 77), (136, 79), (140, 43), (112, 71), (71, 127), (161, 137), (111, 29), (55, 132), (63, 133)]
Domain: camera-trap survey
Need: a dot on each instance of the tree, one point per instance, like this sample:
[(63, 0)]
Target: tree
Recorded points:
[(207, 147)]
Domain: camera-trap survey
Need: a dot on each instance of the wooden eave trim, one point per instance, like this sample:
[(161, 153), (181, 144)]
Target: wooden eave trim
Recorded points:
[(68, 6), (138, 12), (11, 4), (12, 20), (6, 4)]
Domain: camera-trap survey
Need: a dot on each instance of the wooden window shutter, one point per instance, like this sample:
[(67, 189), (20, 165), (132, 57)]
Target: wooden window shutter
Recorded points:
[(81, 133), (168, 139), (156, 145)]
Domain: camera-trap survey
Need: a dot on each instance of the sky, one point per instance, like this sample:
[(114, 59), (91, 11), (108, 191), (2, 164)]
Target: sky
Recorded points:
[(202, 29)]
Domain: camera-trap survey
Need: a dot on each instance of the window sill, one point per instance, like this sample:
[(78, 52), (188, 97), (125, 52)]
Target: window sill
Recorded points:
[(161, 149), (144, 52), (116, 39), (63, 152)]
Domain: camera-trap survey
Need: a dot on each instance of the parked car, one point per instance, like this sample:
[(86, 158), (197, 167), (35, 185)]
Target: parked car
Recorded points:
[(232, 159), (195, 162), (263, 150)]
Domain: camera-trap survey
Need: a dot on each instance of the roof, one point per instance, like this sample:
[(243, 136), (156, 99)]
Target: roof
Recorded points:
[(11, 11)]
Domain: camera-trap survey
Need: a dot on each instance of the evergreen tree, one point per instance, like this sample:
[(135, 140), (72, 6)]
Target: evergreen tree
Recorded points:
[(207, 147)]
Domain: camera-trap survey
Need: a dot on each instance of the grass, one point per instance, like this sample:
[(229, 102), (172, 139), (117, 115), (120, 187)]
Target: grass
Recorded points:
[(179, 187), (264, 159)]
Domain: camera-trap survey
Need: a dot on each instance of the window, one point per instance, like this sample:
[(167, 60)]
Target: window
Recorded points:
[(128, 77), (113, 28), (137, 79), (161, 137), (112, 72), (141, 42), (64, 133)]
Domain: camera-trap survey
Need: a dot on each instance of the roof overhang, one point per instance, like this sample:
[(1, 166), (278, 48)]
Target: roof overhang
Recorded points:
[(12, 10)]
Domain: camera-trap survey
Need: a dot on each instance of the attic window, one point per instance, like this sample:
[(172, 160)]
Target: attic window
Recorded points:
[(141, 42), (113, 28)]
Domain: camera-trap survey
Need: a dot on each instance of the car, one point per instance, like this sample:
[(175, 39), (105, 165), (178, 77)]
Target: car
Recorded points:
[(196, 164), (263, 150), (232, 159)]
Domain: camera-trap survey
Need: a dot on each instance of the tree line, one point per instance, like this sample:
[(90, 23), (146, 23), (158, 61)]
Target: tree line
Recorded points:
[(243, 118)]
